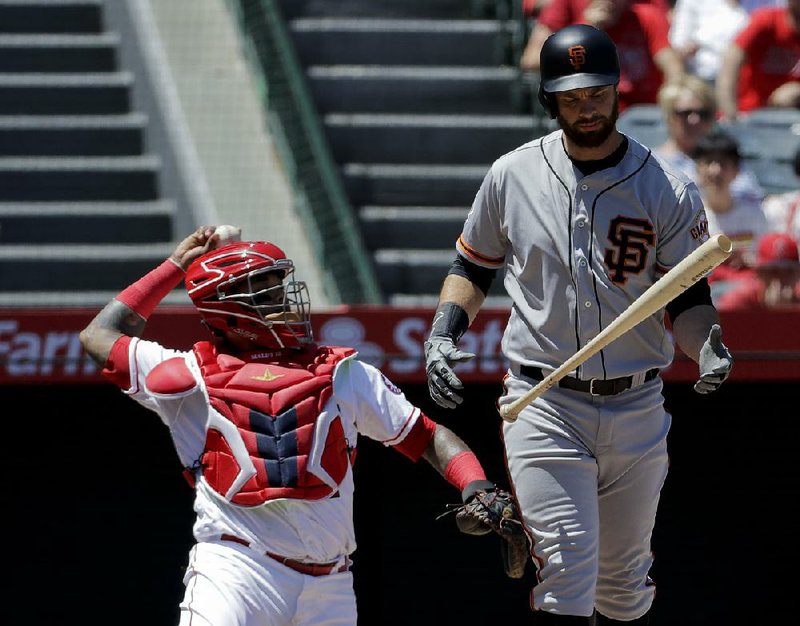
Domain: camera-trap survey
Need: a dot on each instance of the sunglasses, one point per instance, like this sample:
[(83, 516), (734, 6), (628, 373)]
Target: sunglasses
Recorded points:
[(703, 114)]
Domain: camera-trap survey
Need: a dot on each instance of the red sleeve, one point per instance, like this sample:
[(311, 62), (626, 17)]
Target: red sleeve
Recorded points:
[(117, 368), (656, 25), (561, 13), (418, 439), (661, 5), (751, 37)]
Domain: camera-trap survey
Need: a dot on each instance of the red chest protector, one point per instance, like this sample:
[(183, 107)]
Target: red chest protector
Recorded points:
[(269, 435)]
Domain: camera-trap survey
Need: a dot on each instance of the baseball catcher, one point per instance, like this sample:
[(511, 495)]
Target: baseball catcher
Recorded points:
[(267, 423), (486, 508)]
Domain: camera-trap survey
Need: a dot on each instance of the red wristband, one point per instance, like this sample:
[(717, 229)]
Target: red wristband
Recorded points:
[(462, 469), (143, 296)]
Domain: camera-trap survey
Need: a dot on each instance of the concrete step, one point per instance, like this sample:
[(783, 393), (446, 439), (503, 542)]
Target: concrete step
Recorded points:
[(79, 179), (65, 94), (77, 267), (408, 89), (431, 300), (401, 138), (412, 185), (51, 16), (411, 227), (419, 271), (58, 53), (86, 222), (350, 41), (80, 135), (386, 8), (80, 298)]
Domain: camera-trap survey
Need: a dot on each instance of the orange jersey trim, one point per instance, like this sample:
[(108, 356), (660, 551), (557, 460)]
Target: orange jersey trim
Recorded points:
[(477, 257)]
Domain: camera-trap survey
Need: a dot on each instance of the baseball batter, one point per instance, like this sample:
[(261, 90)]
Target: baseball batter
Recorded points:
[(265, 422), (582, 221)]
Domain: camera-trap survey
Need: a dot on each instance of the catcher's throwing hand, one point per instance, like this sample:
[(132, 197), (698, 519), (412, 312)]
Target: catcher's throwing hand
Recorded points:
[(194, 245), (444, 385), (487, 508), (716, 362)]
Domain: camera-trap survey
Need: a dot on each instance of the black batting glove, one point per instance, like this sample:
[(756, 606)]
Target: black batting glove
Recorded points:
[(443, 384), (441, 353), (716, 362)]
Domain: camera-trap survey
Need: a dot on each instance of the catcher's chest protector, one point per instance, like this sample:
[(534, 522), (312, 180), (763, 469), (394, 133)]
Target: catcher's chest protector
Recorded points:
[(274, 426)]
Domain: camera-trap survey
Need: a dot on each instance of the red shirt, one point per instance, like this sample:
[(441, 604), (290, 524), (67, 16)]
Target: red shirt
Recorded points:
[(640, 33), (529, 6), (772, 56)]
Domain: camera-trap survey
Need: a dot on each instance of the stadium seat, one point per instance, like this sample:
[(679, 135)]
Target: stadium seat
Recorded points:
[(769, 133), (645, 123), (774, 175)]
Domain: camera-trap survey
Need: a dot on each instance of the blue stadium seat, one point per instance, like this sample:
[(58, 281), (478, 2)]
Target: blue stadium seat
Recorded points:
[(775, 176), (769, 133), (645, 123)]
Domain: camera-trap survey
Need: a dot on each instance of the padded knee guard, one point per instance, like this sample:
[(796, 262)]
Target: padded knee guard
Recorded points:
[(543, 618), (602, 620)]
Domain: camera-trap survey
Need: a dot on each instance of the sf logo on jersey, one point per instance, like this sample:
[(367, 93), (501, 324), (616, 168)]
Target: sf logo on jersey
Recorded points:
[(631, 240), (577, 56)]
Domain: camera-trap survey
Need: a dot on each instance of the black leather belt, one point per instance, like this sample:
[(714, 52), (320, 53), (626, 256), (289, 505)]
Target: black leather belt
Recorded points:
[(595, 386)]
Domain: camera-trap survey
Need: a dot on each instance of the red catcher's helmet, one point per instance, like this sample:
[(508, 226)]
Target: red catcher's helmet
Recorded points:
[(236, 299)]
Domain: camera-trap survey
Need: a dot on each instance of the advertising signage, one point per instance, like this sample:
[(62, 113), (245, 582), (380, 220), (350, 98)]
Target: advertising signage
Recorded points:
[(41, 346)]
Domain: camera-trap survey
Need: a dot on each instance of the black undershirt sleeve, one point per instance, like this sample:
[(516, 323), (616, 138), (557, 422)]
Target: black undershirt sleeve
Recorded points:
[(699, 293), (481, 277)]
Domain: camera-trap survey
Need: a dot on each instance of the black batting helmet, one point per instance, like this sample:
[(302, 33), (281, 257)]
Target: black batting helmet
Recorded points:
[(575, 57)]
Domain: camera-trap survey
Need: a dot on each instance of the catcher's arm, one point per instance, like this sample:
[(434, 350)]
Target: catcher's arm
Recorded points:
[(485, 507), (488, 508), (126, 315)]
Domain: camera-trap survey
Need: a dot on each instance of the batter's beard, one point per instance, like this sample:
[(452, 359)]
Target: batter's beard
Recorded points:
[(594, 138)]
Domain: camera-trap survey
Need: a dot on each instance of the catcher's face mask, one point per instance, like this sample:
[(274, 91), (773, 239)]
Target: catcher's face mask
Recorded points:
[(247, 291)]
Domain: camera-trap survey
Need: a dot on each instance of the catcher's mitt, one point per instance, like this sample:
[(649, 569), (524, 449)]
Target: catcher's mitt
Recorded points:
[(488, 508)]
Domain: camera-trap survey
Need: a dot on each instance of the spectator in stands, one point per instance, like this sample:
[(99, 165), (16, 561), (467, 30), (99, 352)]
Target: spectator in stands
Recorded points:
[(689, 108), (639, 29), (532, 8), (701, 32), (775, 280), (783, 209), (717, 160), (762, 66)]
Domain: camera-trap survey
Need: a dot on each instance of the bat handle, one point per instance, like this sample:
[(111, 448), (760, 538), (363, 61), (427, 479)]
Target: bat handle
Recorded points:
[(509, 412)]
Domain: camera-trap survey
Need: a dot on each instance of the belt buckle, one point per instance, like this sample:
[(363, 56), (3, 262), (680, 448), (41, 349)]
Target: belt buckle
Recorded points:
[(591, 387)]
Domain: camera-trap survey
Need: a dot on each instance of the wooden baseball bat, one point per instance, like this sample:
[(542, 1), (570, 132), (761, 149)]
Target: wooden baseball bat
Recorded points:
[(677, 280)]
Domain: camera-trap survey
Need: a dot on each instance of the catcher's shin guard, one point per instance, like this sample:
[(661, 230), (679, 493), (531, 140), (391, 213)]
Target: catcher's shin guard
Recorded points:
[(543, 618)]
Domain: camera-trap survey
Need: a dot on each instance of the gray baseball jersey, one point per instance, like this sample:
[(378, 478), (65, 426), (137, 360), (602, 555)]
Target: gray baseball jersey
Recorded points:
[(578, 250)]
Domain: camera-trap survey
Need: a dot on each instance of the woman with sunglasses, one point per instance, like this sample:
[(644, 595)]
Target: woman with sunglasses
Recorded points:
[(689, 109)]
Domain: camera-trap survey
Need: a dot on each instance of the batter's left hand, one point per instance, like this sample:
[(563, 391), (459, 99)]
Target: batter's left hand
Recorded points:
[(716, 362), (443, 384)]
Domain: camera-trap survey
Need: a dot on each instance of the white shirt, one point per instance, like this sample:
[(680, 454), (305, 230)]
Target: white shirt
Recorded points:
[(743, 224), (783, 213), (712, 26)]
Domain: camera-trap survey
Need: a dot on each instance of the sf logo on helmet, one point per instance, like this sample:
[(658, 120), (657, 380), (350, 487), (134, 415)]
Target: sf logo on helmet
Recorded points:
[(577, 56)]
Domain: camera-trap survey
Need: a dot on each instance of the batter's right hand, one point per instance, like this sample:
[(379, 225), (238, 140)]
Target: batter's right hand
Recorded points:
[(716, 362), (443, 384)]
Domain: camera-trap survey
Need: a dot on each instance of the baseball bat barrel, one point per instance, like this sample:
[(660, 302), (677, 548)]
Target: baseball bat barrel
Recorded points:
[(691, 269)]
